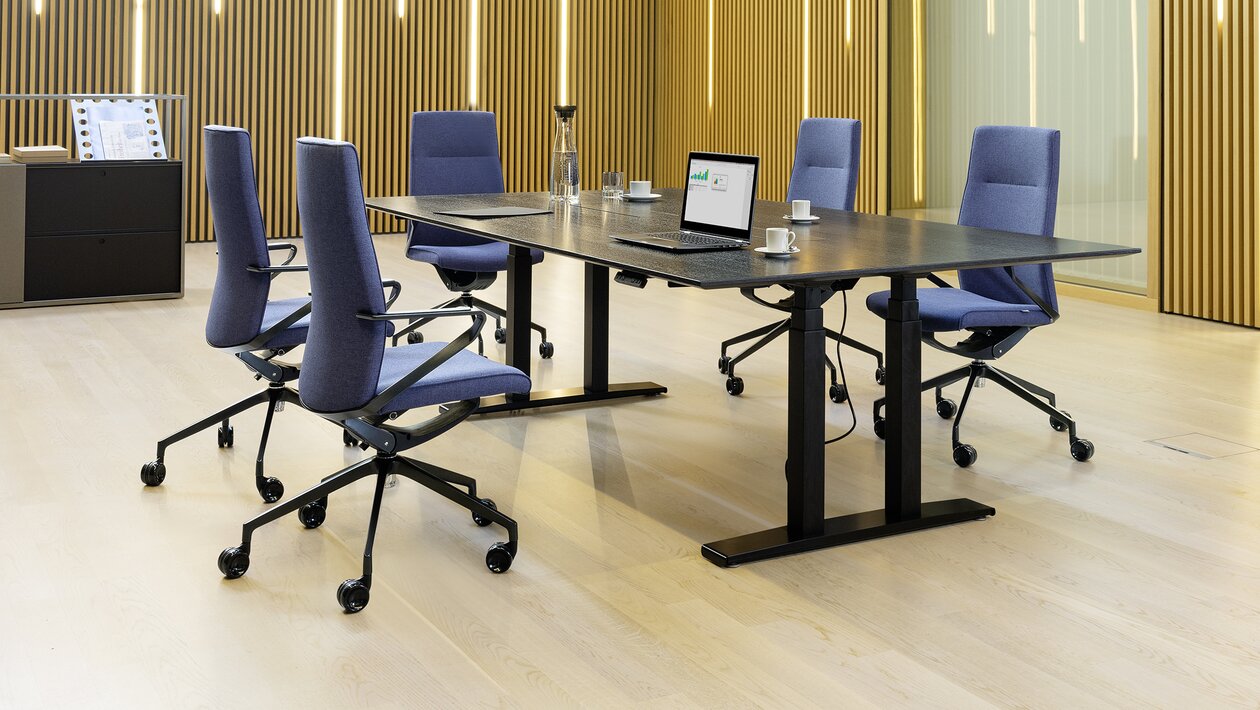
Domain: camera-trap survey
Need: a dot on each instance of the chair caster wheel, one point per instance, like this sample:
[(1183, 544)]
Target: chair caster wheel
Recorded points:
[(724, 364), (500, 335), (1058, 424), (227, 436), (965, 455), (734, 386), (946, 409), (480, 521), (1082, 449), (499, 558), (271, 489), (348, 439), (881, 375), (312, 514), (233, 562), (838, 393), (153, 473), (353, 595), (415, 337), (546, 350), (881, 427)]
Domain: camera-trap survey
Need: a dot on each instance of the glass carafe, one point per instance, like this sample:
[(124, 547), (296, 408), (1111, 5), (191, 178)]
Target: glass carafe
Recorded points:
[(564, 158)]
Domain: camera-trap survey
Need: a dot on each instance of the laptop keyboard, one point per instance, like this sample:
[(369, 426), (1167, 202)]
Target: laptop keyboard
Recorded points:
[(693, 238)]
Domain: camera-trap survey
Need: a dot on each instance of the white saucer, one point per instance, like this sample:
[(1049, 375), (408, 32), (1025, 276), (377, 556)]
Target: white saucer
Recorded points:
[(808, 220), (766, 250), (632, 198)]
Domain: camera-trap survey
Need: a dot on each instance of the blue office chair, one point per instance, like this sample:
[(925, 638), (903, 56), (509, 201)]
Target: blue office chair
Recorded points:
[(457, 153), (351, 378), (825, 172), (1013, 186), (242, 321)]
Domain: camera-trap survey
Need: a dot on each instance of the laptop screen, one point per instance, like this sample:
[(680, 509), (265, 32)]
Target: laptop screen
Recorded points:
[(720, 193)]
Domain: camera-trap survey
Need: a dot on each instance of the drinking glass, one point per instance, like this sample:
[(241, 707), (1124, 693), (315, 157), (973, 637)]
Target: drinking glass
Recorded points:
[(613, 183)]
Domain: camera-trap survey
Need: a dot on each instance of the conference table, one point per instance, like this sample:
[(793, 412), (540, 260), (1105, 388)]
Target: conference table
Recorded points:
[(834, 252)]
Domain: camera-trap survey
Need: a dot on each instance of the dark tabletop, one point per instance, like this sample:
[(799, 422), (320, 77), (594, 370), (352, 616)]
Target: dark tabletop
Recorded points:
[(842, 245)]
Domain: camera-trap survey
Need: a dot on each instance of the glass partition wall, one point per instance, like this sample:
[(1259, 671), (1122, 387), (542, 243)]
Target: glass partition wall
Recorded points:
[(1076, 65)]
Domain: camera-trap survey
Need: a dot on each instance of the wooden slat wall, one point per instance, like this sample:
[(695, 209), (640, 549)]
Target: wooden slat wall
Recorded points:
[(757, 84), (611, 64), (517, 80), (843, 67), (1210, 198), (395, 67), (908, 117), (263, 66), (681, 120), (73, 46), (638, 72)]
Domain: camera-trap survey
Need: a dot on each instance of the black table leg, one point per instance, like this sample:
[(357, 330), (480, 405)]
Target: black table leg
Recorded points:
[(596, 387), (807, 528)]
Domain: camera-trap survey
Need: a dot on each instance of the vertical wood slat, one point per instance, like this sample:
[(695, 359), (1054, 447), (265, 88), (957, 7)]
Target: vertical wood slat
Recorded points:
[(1209, 149)]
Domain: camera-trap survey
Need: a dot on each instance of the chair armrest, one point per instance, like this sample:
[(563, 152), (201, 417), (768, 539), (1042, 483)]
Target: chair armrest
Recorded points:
[(938, 281), (446, 353), (412, 315), (395, 292), (281, 269), (292, 252)]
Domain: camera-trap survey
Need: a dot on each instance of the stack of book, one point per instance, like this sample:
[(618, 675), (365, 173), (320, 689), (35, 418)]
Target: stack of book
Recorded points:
[(4, 158), (40, 154)]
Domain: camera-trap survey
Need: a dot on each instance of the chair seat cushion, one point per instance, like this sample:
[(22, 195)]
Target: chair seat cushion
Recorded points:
[(465, 376), (476, 257), (949, 309), (277, 311)]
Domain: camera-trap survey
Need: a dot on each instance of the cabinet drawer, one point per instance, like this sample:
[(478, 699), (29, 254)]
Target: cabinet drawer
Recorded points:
[(77, 198), (95, 265)]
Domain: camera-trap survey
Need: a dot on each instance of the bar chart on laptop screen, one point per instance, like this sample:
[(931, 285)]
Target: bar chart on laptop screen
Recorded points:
[(719, 193)]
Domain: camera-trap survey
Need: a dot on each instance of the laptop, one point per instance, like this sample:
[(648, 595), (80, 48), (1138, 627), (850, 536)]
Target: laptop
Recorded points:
[(717, 206)]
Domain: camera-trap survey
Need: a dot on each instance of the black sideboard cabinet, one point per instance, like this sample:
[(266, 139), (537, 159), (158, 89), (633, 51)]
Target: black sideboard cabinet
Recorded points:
[(91, 232)]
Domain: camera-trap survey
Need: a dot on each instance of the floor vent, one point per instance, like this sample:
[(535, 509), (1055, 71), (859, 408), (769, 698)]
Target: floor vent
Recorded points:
[(1203, 446)]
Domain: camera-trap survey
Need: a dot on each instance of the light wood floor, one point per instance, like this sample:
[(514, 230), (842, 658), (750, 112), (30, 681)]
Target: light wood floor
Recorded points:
[(1130, 581)]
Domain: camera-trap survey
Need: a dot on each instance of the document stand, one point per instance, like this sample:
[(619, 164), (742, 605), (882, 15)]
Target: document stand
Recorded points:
[(94, 231)]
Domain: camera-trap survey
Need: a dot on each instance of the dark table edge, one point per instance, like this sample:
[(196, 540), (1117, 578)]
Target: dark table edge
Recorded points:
[(825, 277)]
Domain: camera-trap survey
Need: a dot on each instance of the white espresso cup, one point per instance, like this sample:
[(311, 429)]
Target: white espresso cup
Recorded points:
[(779, 239), (800, 209), (640, 188)]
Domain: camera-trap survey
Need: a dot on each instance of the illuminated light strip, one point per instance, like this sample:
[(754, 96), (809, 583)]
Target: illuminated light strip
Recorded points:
[(564, 53), (1220, 11), (1080, 14), (402, 9), (1133, 33), (710, 55), (472, 53), (991, 20), (218, 7), (339, 70), (137, 69), (917, 105), (848, 22), (1032, 62), (805, 63), (38, 7)]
